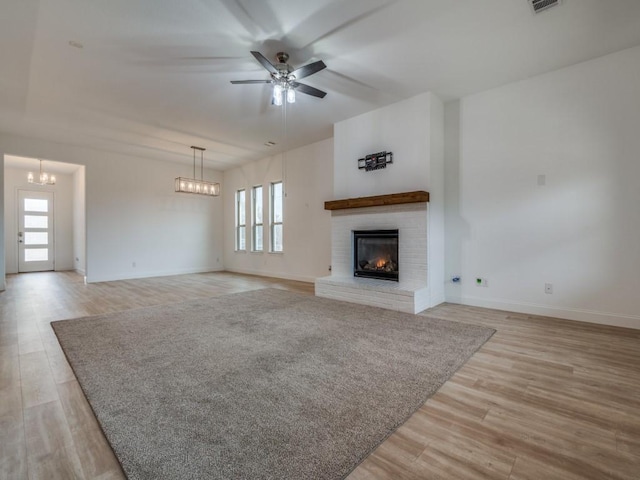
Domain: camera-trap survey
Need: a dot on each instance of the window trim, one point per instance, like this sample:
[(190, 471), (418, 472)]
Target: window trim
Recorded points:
[(238, 224), (254, 222), (272, 216)]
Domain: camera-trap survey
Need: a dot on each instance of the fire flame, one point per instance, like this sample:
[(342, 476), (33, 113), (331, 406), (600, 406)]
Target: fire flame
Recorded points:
[(380, 263)]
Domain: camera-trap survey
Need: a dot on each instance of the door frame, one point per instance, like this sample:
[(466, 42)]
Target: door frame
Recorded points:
[(50, 195)]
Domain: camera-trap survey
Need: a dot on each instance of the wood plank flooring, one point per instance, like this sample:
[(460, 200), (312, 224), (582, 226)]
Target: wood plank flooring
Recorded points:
[(542, 399)]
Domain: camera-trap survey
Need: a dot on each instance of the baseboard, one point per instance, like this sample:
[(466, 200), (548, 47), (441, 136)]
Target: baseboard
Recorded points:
[(159, 273), (589, 316), (437, 300), (284, 276)]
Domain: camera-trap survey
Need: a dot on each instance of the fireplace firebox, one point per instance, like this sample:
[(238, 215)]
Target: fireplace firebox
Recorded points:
[(375, 254)]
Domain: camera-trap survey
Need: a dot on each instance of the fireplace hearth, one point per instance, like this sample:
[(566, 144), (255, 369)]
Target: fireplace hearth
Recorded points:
[(375, 254), (406, 212)]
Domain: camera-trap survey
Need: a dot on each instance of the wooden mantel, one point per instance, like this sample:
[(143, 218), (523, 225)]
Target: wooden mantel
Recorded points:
[(378, 200)]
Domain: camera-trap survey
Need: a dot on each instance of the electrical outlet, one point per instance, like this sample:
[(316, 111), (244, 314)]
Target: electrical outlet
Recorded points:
[(548, 288), (481, 282)]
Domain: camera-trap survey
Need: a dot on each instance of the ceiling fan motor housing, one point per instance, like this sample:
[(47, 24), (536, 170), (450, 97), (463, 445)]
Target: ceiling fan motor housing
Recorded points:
[(282, 57), (284, 69)]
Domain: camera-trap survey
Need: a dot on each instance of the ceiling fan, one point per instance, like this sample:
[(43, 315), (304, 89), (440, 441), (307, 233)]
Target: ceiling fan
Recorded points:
[(284, 78)]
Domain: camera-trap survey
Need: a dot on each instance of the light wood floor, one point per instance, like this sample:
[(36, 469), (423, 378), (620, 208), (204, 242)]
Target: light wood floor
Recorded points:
[(542, 399)]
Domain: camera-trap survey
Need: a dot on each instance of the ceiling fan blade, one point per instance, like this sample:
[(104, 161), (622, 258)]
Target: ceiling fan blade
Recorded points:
[(301, 87), (309, 69), (246, 82), (265, 63)]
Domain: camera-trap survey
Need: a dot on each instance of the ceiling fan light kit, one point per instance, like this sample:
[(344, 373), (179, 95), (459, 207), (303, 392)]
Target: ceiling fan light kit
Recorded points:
[(284, 78), (291, 95)]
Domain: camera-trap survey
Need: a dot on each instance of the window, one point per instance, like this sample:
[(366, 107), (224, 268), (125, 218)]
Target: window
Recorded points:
[(256, 218), (241, 223), (276, 217)]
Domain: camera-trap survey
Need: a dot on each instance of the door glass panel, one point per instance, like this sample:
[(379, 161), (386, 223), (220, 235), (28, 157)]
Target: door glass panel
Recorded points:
[(36, 238), (36, 254), (36, 221), (36, 205)]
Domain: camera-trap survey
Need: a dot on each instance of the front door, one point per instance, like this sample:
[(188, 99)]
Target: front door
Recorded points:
[(35, 231)]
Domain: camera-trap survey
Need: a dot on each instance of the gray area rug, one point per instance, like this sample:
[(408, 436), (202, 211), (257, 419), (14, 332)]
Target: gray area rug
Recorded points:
[(267, 384)]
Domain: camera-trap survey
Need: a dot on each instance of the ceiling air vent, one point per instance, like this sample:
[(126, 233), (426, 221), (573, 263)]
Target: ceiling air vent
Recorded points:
[(541, 5)]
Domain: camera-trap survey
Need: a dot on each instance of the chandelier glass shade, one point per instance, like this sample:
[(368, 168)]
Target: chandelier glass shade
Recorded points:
[(43, 178), (195, 185)]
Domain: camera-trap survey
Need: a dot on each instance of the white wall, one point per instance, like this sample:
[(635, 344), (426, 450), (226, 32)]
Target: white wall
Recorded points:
[(79, 221), (308, 183), (16, 179), (2, 233), (402, 128), (435, 186), (579, 127), (133, 215)]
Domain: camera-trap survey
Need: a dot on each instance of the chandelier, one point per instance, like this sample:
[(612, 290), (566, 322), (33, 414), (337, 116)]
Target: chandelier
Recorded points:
[(194, 185), (43, 179)]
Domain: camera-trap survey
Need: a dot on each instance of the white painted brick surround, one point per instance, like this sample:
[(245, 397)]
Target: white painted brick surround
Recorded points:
[(411, 293)]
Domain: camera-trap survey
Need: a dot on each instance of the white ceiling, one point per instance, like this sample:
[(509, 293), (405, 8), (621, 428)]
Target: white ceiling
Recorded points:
[(153, 76)]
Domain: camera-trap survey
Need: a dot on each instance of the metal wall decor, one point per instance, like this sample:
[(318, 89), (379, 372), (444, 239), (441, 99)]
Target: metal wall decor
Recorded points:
[(375, 161)]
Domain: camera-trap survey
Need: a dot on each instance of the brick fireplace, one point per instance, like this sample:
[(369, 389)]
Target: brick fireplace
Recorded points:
[(405, 213)]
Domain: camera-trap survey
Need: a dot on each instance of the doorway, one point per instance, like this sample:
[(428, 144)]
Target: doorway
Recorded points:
[(35, 231)]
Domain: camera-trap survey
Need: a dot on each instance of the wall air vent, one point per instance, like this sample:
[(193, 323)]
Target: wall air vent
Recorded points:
[(542, 5)]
